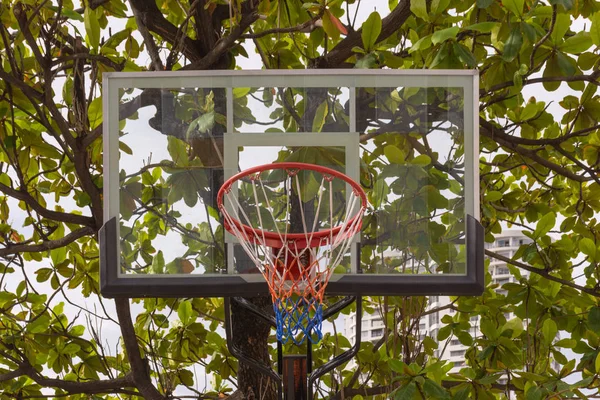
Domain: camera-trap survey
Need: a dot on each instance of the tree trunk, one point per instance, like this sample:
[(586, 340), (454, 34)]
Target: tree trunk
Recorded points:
[(250, 335)]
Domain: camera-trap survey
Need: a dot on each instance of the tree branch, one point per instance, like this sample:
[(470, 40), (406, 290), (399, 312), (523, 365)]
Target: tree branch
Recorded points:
[(543, 39), (307, 26), (499, 136), (71, 387), (389, 25), (224, 44), (139, 368), (47, 245), (541, 272), (153, 19), (591, 78), (44, 212), (157, 63)]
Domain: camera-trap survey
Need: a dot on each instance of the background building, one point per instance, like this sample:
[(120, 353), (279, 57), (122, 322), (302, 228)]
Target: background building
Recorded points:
[(506, 244)]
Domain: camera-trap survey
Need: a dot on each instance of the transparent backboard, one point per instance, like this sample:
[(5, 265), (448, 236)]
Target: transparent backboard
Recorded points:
[(171, 139)]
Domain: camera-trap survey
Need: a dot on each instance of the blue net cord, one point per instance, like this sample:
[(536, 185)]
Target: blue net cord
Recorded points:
[(298, 319)]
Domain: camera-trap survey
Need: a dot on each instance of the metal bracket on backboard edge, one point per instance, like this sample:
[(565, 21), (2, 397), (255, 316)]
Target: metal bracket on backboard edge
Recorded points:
[(312, 375), (345, 356)]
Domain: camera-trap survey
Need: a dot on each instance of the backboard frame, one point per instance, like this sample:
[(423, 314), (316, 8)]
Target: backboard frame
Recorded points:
[(113, 284)]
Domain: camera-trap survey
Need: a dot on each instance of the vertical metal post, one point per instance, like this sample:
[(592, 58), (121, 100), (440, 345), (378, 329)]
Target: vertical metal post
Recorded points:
[(280, 368), (295, 382)]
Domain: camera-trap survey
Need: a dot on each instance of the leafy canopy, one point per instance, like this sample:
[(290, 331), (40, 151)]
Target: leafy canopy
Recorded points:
[(539, 170)]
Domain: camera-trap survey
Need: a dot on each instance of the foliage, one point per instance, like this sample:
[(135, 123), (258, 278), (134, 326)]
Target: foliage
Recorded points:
[(539, 172)]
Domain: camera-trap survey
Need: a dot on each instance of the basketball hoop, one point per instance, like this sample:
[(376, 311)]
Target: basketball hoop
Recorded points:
[(296, 222)]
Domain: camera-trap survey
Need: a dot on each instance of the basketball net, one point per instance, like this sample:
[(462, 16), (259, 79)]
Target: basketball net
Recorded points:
[(296, 266)]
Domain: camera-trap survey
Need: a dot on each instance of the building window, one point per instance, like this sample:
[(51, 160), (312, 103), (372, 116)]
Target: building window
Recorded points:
[(474, 318), (422, 326), (433, 299), (455, 342), (503, 243), (376, 322), (502, 281), (457, 353), (502, 271), (433, 318), (459, 363), (364, 334), (377, 333)]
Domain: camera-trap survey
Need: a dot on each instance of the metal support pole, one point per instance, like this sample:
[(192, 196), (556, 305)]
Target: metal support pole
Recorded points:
[(348, 354)]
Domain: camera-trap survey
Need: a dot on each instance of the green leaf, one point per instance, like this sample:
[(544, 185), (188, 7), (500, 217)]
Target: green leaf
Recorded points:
[(202, 124), (186, 377), (439, 6), (240, 92), (484, 3), (595, 28), (394, 154), (43, 274), (95, 112), (513, 44), (565, 65), (588, 247), (185, 312), (71, 14), (320, 117), (594, 319), (444, 34), (577, 43), (561, 26), (567, 4), (397, 365), (371, 29), (444, 332), (530, 111), (419, 8), (465, 55), (434, 391), (421, 160), (515, 6), (515, 325), (71, 348), (534, 393), (367, 62), (597, 363), (544, 225), (493, 195), (549, 330), (92, 27), (552, 69), (132, 47), (422, 44), (39, 325), (158, 263), (483, 27), (379, 193), (177, 150), (406, 392), (566, 343)]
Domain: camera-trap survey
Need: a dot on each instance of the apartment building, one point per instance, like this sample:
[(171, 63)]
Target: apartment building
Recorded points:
[(372, 329)]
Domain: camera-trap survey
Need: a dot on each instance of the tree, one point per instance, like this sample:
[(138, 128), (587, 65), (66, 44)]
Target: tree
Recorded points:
[(539, 172)]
